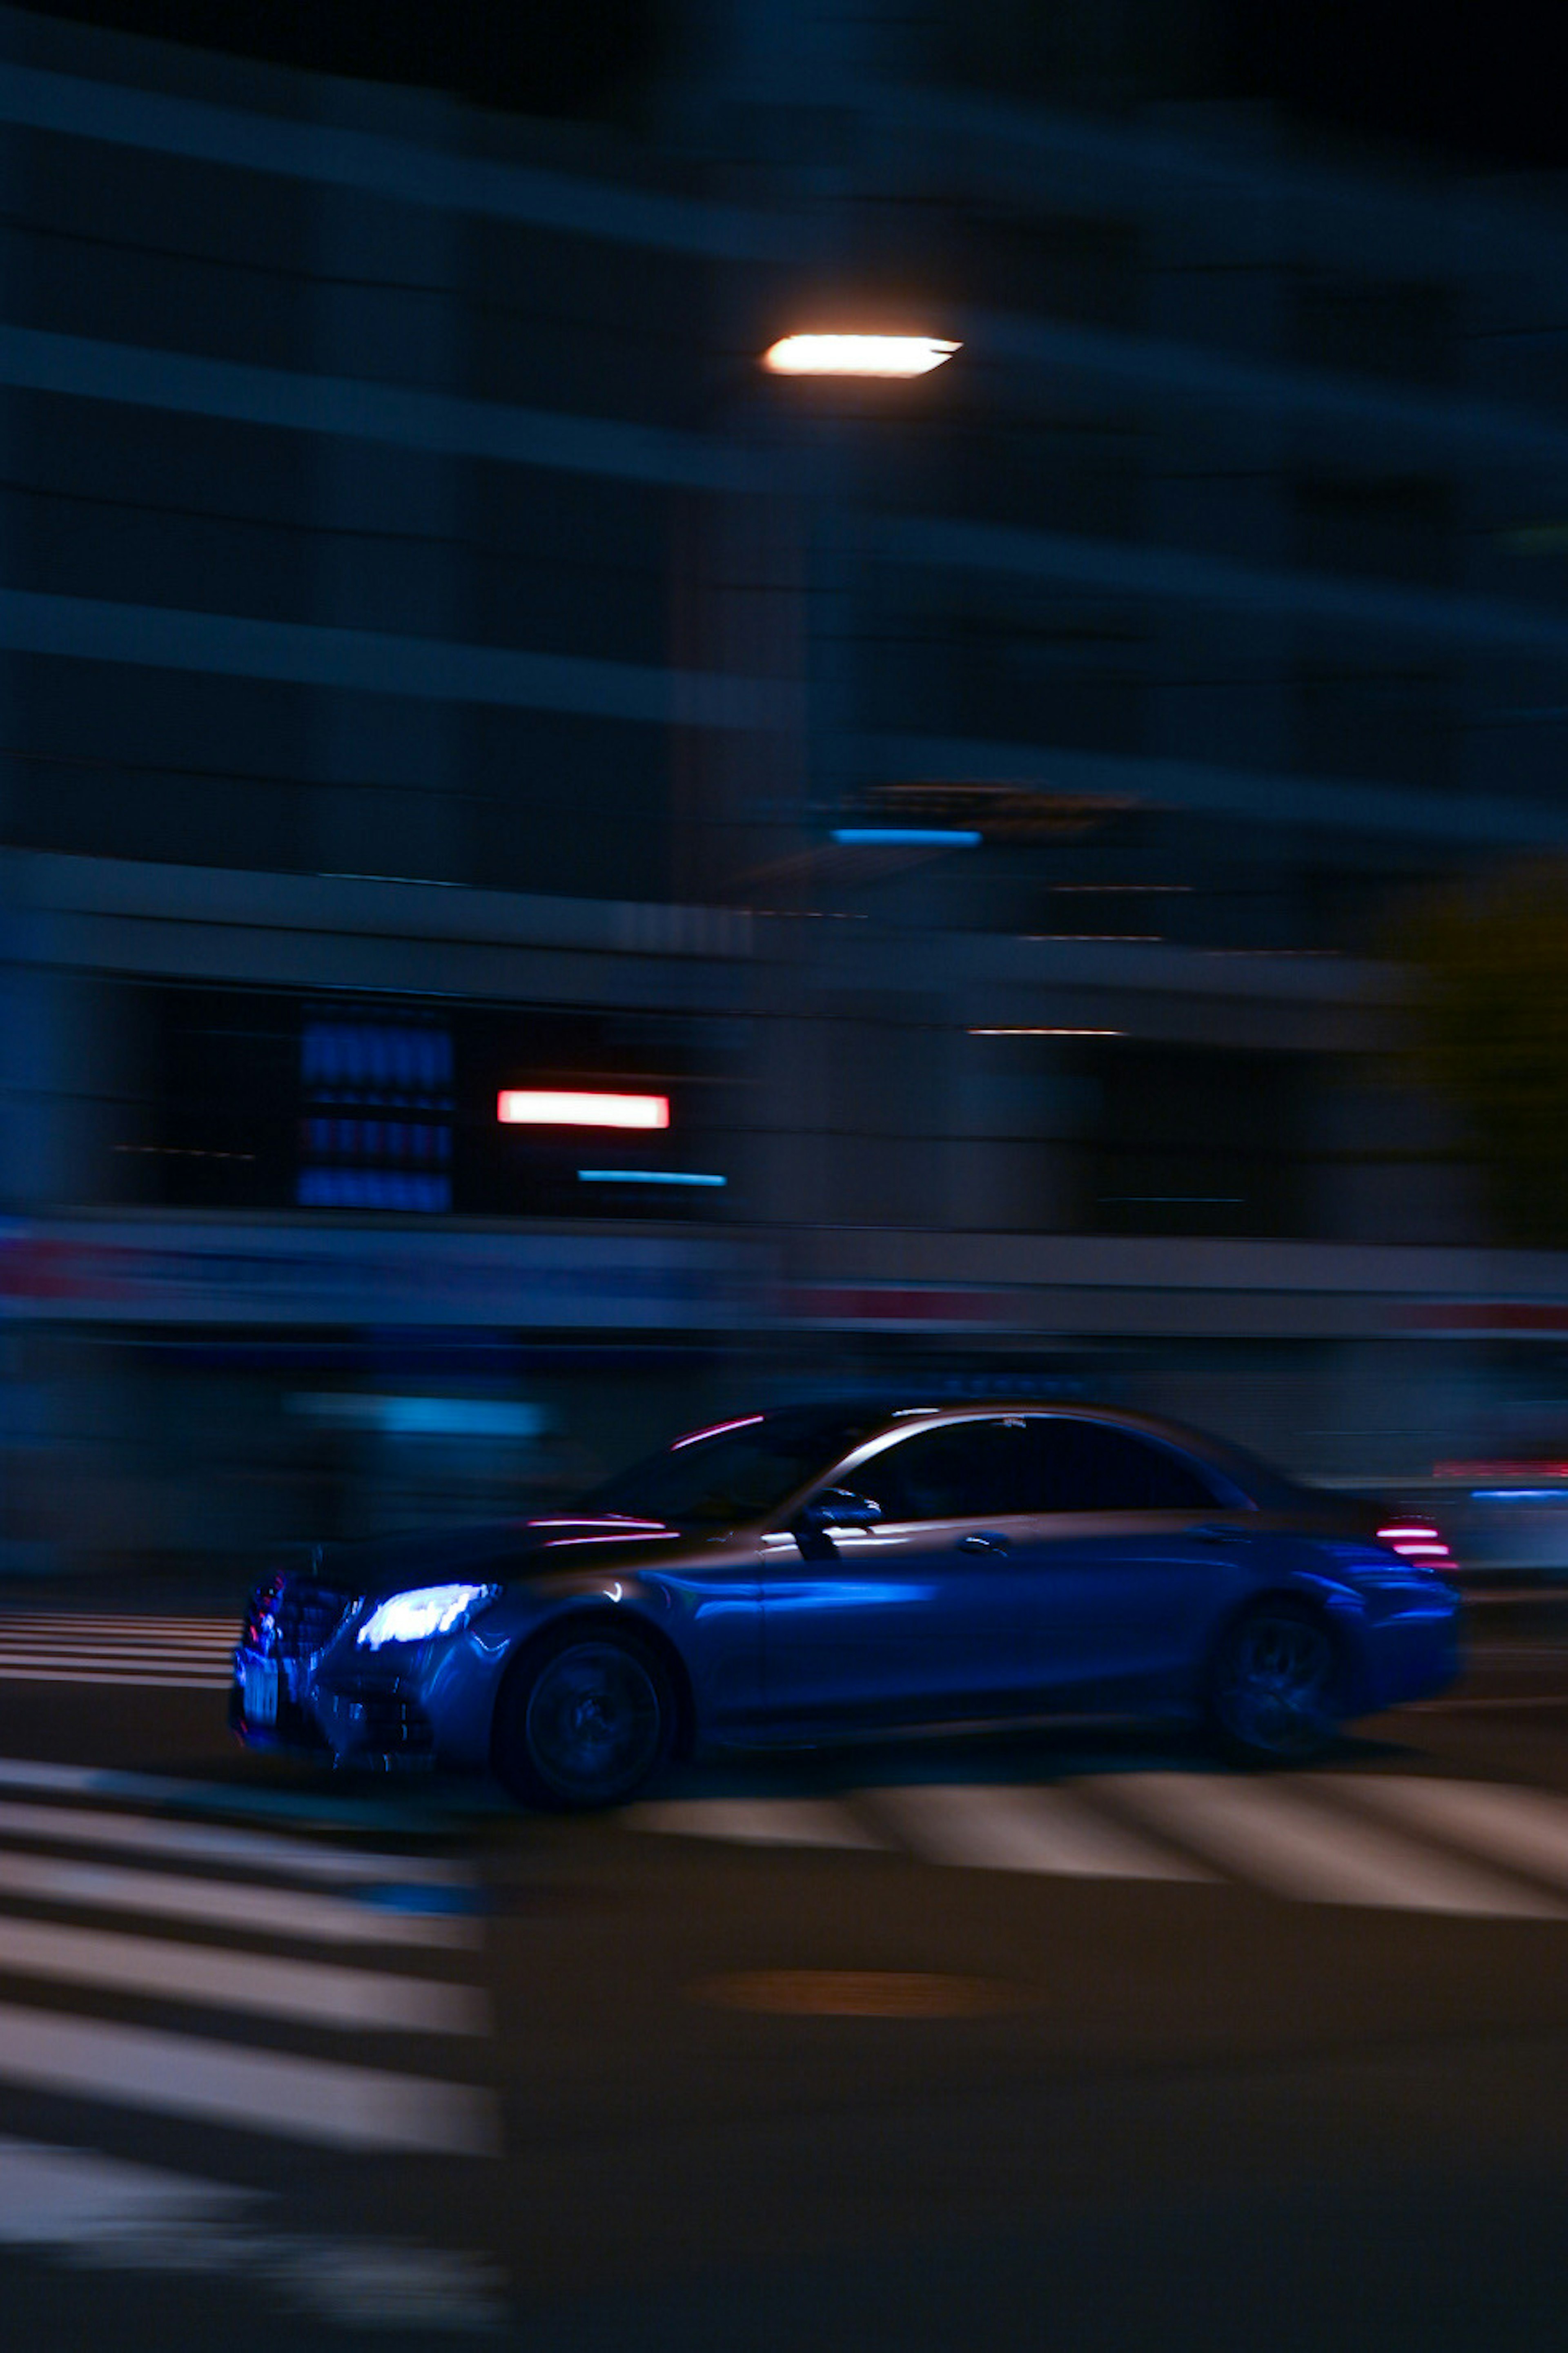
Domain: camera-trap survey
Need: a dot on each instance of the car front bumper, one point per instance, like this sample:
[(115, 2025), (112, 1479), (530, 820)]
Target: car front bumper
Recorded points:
[(397, 1708)]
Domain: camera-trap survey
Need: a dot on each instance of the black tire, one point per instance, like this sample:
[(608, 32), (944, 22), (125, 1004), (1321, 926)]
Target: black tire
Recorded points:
[(1274, 1685), (583, 1720)]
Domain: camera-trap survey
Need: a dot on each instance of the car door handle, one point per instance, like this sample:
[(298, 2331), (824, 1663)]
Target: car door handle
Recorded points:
[(982, 1543), (1220, 1534)]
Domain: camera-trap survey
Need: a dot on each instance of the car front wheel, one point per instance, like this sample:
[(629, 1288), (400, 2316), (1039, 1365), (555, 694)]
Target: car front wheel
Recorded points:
[(1273, 1687), (583, 1721)]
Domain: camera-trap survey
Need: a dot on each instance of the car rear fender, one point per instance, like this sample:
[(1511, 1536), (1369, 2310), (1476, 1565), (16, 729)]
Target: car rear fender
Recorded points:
[(1336, 1604)]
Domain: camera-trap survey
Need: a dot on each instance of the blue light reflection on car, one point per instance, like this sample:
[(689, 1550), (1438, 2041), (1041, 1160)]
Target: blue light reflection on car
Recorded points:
[(843, 1593)]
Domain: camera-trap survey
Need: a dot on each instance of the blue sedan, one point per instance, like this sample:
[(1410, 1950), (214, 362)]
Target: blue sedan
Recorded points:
[(819, 1573)]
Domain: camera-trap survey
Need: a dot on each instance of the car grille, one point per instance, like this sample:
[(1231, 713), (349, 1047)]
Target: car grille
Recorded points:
[(294, 1616)]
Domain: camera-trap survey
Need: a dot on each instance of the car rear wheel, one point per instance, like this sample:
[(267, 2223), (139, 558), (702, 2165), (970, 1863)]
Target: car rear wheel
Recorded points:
[(1273, 1687), (583, 1721)]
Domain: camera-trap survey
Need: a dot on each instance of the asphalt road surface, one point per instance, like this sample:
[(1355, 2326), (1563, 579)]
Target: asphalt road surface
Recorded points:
[(1054, 2040)]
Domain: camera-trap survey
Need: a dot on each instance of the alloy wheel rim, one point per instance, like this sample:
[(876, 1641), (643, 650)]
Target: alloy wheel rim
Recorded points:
[(594, 1718)]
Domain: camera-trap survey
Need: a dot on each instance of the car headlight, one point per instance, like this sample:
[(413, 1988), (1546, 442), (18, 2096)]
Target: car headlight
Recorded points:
[(430, 1609)]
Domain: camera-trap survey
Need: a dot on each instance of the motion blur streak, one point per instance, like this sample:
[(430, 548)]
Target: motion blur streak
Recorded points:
[(310, 2100), (615, 617), (525, 1107), (889, 355), (716, 1430)]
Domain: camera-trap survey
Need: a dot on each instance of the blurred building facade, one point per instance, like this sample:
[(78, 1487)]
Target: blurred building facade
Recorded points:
[(437, 660)]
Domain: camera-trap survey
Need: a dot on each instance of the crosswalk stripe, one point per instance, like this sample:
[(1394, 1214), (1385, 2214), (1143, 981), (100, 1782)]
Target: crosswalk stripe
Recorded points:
[(1297, 1847), (133, 1652), (755, 1821), (215, 2076), (252, 1849), (71, 2197), (275, 1911), (318, 2100), (86, 2208), (215, 1636), (113, 1619), (1307, 1839), (126, 1655), (149, 1652), (1037, 1830), (1527, 1829), (310, 1992), (168, 1792), (64, 1673), (211, 1630), (118, 1645), (116, 1654)]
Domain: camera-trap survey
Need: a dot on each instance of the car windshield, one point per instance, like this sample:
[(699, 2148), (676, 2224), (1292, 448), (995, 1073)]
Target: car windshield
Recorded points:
[(737, 1469)]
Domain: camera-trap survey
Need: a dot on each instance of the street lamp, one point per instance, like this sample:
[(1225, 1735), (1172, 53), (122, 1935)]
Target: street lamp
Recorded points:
[(884, 356)]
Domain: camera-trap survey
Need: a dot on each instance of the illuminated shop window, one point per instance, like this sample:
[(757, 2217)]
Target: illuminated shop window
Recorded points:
[(376, 1126)]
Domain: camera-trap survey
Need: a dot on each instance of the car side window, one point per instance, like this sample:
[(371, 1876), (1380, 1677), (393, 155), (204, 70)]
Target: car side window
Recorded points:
[(968, 1471), (1093, 1466)]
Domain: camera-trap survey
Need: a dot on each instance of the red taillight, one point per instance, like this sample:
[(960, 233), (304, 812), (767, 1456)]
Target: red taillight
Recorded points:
[(1416, 1540)]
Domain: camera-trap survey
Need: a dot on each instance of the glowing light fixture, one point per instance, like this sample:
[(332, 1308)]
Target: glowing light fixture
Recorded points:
[(1415, 1540), (905, 837), (1032, 1030), (548, 1107), (427, 1611), (888, 355), (646, 1176)]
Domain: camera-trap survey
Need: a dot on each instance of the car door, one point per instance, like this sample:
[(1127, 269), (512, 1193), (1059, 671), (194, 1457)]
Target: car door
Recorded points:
[(1132, 1551), (919, 1617)]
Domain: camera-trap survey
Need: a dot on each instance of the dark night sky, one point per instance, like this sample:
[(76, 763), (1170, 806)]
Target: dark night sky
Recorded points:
[(1478, 81)]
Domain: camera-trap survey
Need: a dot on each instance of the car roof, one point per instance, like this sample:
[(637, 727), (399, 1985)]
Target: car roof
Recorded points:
[(1074, 1408), (1256, 1478)]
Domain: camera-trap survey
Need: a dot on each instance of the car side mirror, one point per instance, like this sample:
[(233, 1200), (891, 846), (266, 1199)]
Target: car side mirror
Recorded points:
[(835, 1507)]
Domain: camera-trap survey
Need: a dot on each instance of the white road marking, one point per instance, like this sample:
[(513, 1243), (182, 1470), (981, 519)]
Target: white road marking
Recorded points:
[(101, 2212), (41, 1643), (153, 1653), (112, 1620), (213, 1639), (192, 2075), (68, 2197), (255, 1796), (1297, 1847), (37, 1773), (1011, 1828), (210, 1660), (1526, 1828), (36, 1649), (314, 2100), (755, 1821), (134, 1679), (240, 1849), (316, 1993), (275, 1911)]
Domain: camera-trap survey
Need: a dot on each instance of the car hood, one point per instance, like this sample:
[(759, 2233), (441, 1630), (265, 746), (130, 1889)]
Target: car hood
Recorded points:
[(559, 1543)]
